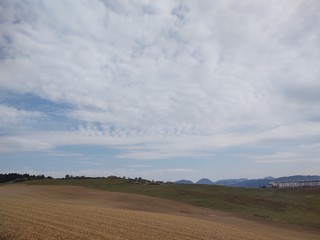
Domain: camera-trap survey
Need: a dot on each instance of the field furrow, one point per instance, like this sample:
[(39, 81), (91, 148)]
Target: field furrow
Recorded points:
[(83, 223)]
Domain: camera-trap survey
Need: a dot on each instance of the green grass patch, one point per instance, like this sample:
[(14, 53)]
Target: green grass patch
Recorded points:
[(299, 206)]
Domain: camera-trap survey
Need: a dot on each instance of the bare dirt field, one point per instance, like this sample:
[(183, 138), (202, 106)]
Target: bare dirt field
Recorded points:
[(67, 212)]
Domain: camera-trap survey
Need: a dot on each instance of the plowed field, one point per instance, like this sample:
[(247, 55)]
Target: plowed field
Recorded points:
[(63, 212)]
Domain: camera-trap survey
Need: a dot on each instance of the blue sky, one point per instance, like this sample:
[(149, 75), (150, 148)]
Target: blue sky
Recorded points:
[(164, 90)]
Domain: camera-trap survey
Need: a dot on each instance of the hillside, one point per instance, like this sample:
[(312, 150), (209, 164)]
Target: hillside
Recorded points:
[(300, 206), (53, 212)]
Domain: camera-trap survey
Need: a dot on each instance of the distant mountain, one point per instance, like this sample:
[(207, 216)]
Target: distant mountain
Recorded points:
[(269, 178), (184, 182), (205, 181), (252, 183), (298, 177), (230, 182)]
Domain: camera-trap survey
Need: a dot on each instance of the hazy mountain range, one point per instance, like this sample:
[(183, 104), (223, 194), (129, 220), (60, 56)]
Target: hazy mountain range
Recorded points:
[(251, 183)]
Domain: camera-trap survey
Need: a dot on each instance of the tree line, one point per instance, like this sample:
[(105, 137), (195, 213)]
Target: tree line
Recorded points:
[(9, 177), (17, 177)]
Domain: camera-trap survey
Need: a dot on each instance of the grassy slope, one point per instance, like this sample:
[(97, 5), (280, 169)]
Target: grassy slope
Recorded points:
[(300, 206)]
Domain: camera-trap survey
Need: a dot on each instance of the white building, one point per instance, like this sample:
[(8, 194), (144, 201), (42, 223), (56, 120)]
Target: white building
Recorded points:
[(295, 184)]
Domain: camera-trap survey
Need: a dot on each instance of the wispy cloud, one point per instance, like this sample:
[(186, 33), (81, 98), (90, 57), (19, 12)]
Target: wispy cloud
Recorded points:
[(64, 154), (147, 147), (10, 115), (282, 157)]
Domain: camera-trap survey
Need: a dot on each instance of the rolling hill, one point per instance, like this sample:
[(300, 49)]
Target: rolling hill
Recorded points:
[(300, 206), (78, 213)]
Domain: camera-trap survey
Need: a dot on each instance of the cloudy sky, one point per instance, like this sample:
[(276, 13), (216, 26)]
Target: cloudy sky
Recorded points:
[(160, 89)]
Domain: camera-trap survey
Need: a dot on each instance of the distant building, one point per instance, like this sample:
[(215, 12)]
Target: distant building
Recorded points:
[(295, 184)]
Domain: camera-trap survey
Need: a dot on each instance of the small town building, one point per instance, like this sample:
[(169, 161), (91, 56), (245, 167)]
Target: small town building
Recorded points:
[(295, 184)]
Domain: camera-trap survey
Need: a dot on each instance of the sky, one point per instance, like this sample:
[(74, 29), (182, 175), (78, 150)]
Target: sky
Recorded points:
[(163, 90)]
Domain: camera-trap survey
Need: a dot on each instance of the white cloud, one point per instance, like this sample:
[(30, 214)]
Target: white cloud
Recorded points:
[(159, 70)]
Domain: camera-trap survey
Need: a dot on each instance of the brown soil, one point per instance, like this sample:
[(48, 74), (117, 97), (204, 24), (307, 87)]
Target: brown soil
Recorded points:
[(67, 212)]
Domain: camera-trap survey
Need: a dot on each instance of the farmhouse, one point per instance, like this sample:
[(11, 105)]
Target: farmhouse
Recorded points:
[(295, 184)]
